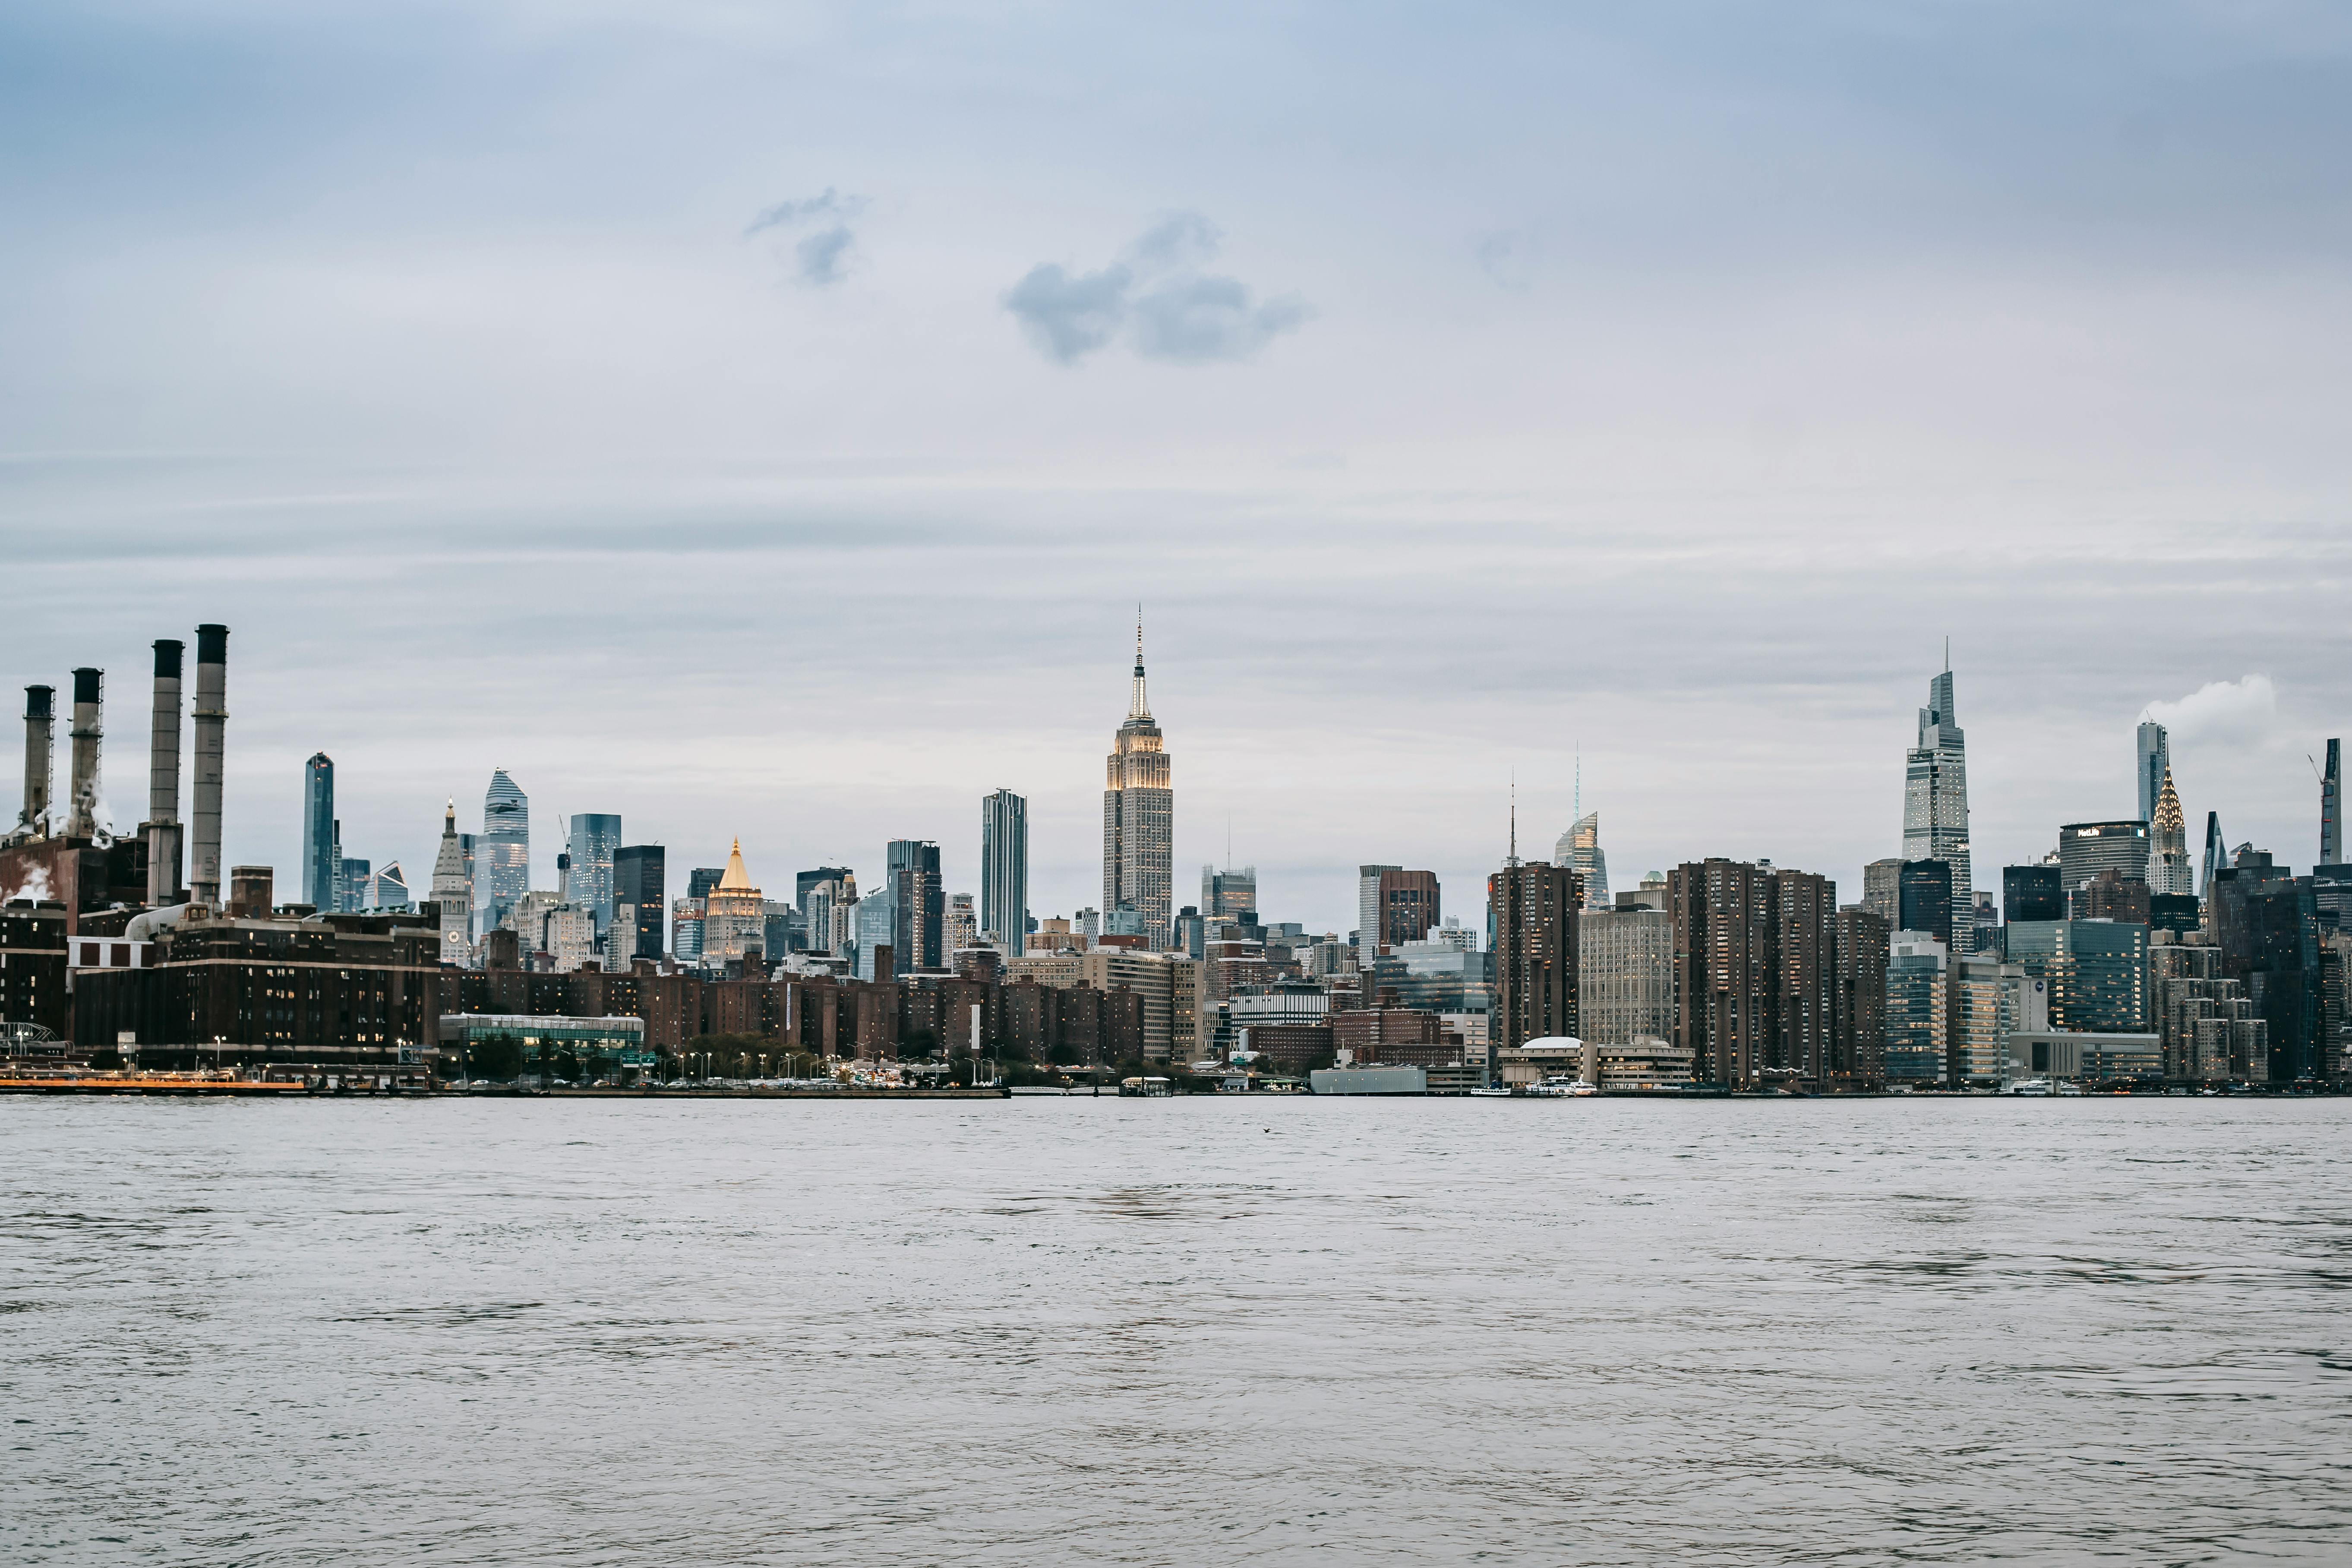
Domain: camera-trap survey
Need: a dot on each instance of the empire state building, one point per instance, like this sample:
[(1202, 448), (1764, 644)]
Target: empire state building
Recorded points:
[(1139, 819)]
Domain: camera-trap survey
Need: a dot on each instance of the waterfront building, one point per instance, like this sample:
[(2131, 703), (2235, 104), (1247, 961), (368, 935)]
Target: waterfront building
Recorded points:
[(2087, 848), (1004, 872), (1925, 898), (1936, 788), (2265, 919), (596, 841), (734, 917), (1881, 889), (1534, 910), (1917, 1021), (1624, 975), (2153, 755), (540, 1046), (1579, 849), (501, 852), (641, 880), (1991, 1002), (1857, 1061), (1755, 964), (321, 872), (2097, 971), (453, 891), (2093, 1056), (2168, 871), (1139, 815), (2208, 1029)]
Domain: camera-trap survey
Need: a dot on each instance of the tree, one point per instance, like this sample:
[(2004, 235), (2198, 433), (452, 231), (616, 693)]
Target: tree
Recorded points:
[(494, 1057)]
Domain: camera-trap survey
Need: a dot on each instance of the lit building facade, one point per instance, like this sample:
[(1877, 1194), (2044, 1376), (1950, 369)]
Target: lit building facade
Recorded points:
[(734, 916), (596, 841), (1140, 817), (322, 874), (1624, 975), (453, 889)]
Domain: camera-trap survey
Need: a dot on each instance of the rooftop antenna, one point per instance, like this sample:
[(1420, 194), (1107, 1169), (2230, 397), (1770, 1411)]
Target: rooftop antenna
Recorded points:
[(1948, 654), (1513, 858), (1579, 781)]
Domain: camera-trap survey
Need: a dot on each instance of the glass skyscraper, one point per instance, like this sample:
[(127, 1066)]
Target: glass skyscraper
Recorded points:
[(1936, 792), (641, 881), (320, 852), (501, 852), (919, 904), (596, 839), (2096, 972), (2153, 754), (1004, 872)]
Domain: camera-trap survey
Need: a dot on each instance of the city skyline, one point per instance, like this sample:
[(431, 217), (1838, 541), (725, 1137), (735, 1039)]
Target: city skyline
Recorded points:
[(1289, 890)]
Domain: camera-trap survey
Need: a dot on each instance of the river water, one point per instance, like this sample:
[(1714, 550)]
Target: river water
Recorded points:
[(1202, 1330)]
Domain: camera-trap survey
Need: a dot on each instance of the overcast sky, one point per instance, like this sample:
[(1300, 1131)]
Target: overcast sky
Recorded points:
[(764, 420)]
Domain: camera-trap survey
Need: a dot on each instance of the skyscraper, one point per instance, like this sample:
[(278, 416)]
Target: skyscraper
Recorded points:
[(641, 883), (1534, 912), (1935, 790), (595, 838), (1368, 909), (501, 852), (2217, 856), (2331, 808), (1579, 850), (453, 889), (1004, 871), (319, 852), (963, 924), (1924, 900), (733, 920), (2154, 755), (1229, 891), (1140, 817), (1755, 970), (2168, 842), (2087, 848), (919, 904)]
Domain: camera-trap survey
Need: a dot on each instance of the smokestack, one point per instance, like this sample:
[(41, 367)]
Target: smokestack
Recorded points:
[(89, 696), (40, 739), (163, 780), (204, 814)]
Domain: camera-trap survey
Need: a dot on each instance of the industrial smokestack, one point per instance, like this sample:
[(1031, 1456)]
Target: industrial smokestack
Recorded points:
[(163, 780), (212, 717), (81, 806), (40, 739)]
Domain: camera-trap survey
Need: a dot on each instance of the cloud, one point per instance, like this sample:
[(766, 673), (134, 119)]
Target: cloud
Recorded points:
[(1157, 295), (2244, 711), (1192, 320), (1069, 316), (821, 255), (820, 258)]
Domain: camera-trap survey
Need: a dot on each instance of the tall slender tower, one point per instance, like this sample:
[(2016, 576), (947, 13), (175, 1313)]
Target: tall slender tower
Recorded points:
[(2153, 754), (2217, 855), (1935, 789), (502, 853), (1003, 872), (1140, 817), (453, 889), (322, 866), (2331, 808)]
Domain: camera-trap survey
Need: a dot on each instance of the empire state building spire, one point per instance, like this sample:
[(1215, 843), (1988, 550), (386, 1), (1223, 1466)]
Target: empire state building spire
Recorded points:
[(1137, 705), (1139, 819)]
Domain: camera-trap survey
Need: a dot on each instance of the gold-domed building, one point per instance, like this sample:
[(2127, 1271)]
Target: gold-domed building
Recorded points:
[(733, 918)]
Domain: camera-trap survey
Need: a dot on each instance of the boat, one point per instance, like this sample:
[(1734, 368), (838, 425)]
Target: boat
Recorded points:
[(1491, 1091), (2034, 1086)]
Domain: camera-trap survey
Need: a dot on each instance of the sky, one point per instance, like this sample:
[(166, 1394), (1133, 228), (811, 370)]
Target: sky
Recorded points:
[(767, 420)]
